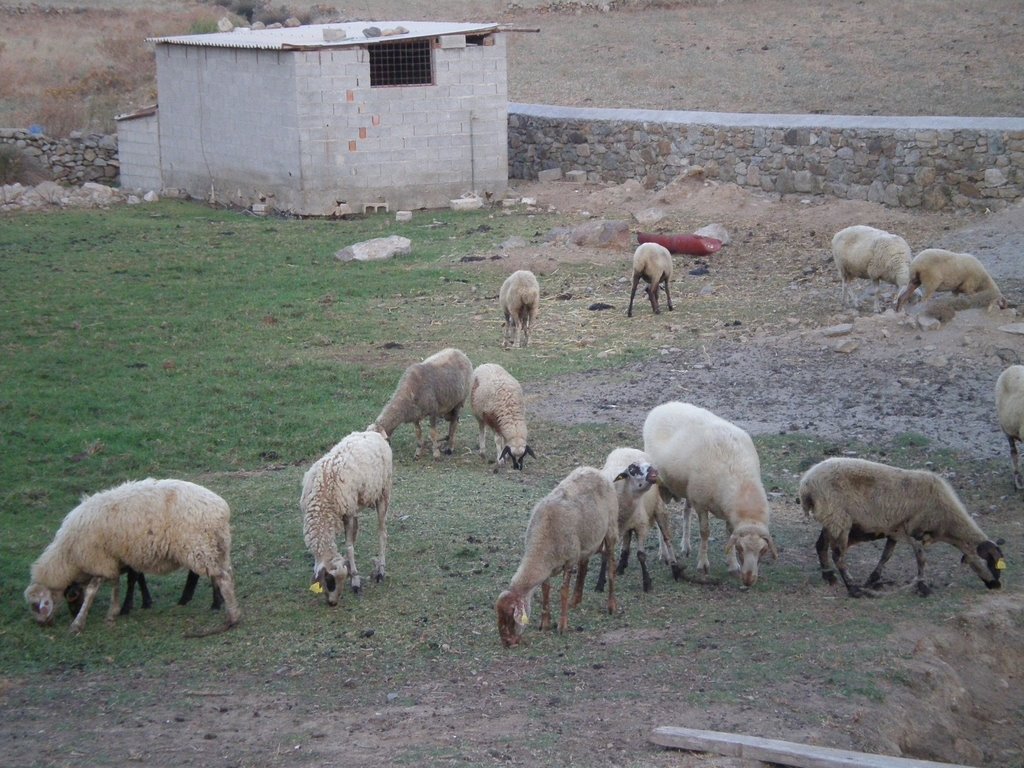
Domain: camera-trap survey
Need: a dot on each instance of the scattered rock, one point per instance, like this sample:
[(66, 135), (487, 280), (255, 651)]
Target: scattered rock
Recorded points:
[(376, 249)]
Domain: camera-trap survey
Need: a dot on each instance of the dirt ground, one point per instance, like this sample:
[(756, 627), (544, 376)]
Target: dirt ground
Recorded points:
[(801, 371)]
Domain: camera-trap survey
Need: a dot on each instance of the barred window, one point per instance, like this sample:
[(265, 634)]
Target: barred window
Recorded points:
[(402, 63)]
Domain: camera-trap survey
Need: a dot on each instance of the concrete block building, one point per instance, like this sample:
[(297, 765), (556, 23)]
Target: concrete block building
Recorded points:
[(327, 119)]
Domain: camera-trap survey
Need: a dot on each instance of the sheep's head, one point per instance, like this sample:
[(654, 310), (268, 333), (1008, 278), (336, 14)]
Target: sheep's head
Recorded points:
[(517, 451), (750, 542), (40, 600), (992, 556), (513, 615), (379, 430), (329, 578), (640, 475)]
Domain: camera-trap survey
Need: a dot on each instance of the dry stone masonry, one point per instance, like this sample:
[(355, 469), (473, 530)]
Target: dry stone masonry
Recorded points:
[(74, 160), (929, 162)]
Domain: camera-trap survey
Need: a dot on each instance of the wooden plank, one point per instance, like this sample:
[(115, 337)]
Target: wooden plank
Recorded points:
[(782, 752)]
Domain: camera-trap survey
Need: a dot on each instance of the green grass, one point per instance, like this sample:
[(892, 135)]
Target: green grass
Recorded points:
[(176, 340)]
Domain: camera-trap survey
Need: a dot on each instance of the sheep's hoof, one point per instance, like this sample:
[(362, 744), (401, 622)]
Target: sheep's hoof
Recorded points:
[(648, 585), (677, 572), (829, 576), (923, 589), (447, 451), (1018, 483)]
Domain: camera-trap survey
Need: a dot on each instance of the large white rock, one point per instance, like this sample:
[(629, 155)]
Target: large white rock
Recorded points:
[(376, 249)]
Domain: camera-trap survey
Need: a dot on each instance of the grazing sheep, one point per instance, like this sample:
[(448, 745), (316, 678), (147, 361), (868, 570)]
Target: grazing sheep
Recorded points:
[(872, 254), (355, 473), (652, 263), (713, 465), (640, 507), (569, 525), (75, 594), (1010, 408), (434, 389), (496, 400), (150, 526), (520, 302), (859, 500), (935, 269)]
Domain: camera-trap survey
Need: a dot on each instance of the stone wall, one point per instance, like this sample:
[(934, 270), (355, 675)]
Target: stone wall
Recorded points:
[(74, 160), (927, 162)]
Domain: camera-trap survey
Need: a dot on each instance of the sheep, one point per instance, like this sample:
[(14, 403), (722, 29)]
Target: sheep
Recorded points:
[(640, 506), (935, 269), (74, 594), (569, 525), (355, 473), (653, 264), (151, 526), (872, 254), (859, 500), (433, 389), (713, 465), (1010, 408), (496, 400), (519, 299)]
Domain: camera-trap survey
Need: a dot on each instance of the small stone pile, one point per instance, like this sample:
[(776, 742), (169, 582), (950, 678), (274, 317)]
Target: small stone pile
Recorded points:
[(50, 195)]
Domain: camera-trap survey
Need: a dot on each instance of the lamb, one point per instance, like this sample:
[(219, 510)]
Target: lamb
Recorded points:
[(496, 399), (858, 500), (652, 263), (935, 269), (355, 473), (713, 465), (151, 526), (519, 299), (569, 525), (433, 389), (872, 254), (1010, 408), (640, 506)]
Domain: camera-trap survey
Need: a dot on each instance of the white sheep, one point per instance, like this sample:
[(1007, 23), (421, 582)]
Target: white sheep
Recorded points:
[(355, 473), (872, 254), (935, 269), (496, 400), (640, 507), (652, 263), (1010, 409), (150, 526), (569, 525), (433, 389), (519, 299), (713, 465), (859, 500)]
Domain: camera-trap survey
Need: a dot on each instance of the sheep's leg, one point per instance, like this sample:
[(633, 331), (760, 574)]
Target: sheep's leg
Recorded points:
[(684, 541), (581, 575), (665, 551), (703, 563), (190, 588), (351, 532), (483, 439), (453, 425), (652, 294), (1018, 481), (922, 586), (545, 605), (218, 598), (499, 448), (602, 576), (115, 599), (419, 440), (609, 549), (645, 576), (132, 577), (632, 295), (730, 552), (433, 437), (382, 537), (563, 618), (876, 575), (821, 546), (624, 553), (524, 321), (522, 331), (90, 594), (839, 556), (668, 298)]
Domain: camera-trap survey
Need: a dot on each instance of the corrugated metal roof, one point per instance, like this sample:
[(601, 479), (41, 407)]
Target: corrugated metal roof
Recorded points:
[(323, 35)]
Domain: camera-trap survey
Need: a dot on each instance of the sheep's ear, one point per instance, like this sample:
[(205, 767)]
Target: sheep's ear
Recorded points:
[(529, 450), (730, 545), (505, 454), (621, 476), (772, 549)]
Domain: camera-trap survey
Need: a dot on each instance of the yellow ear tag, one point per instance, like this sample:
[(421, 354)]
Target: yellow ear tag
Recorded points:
[(526, 619), (1000, 564), (316, 588)]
